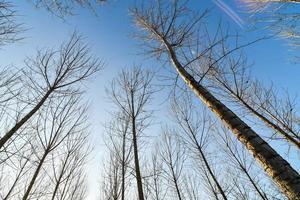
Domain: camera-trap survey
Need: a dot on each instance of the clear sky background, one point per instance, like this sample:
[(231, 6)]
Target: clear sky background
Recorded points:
[(109, 35)]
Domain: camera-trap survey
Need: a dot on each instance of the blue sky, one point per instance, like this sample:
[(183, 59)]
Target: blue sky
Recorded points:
[(110, 40)]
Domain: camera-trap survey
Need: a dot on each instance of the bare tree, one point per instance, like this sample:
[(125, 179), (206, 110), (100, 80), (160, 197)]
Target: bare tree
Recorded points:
[(131, 93), (61, 8), (68, 168), (196, 131), (281, 16), (282, 111), (60, 121), (51, 74), (233, 82), (168, 31), (9, 28), (120, 148), (192, 188), (154, 180), (111, 188), (173, 156), (18, 168), (240, 161), (9, 90)]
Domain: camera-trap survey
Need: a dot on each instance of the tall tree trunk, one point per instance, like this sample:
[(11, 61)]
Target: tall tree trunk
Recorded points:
[(35, 175), (123, 168), (211, 186), (202, 155), (176, 183), (274, 165), (211, 172), (7, 196), (263, 196), (58, 181), (20, 123), (135, 151)]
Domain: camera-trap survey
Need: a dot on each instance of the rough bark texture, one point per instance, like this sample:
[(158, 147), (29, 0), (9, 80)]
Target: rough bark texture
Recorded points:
[(274, 165)]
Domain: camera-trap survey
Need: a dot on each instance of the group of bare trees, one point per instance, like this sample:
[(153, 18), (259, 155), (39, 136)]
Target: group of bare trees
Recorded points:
[(195, 57), (44, 143), (214, 68), (130, 92), (9, 27), (224, 146), (193, 157), (44, 130), (62, 8)]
